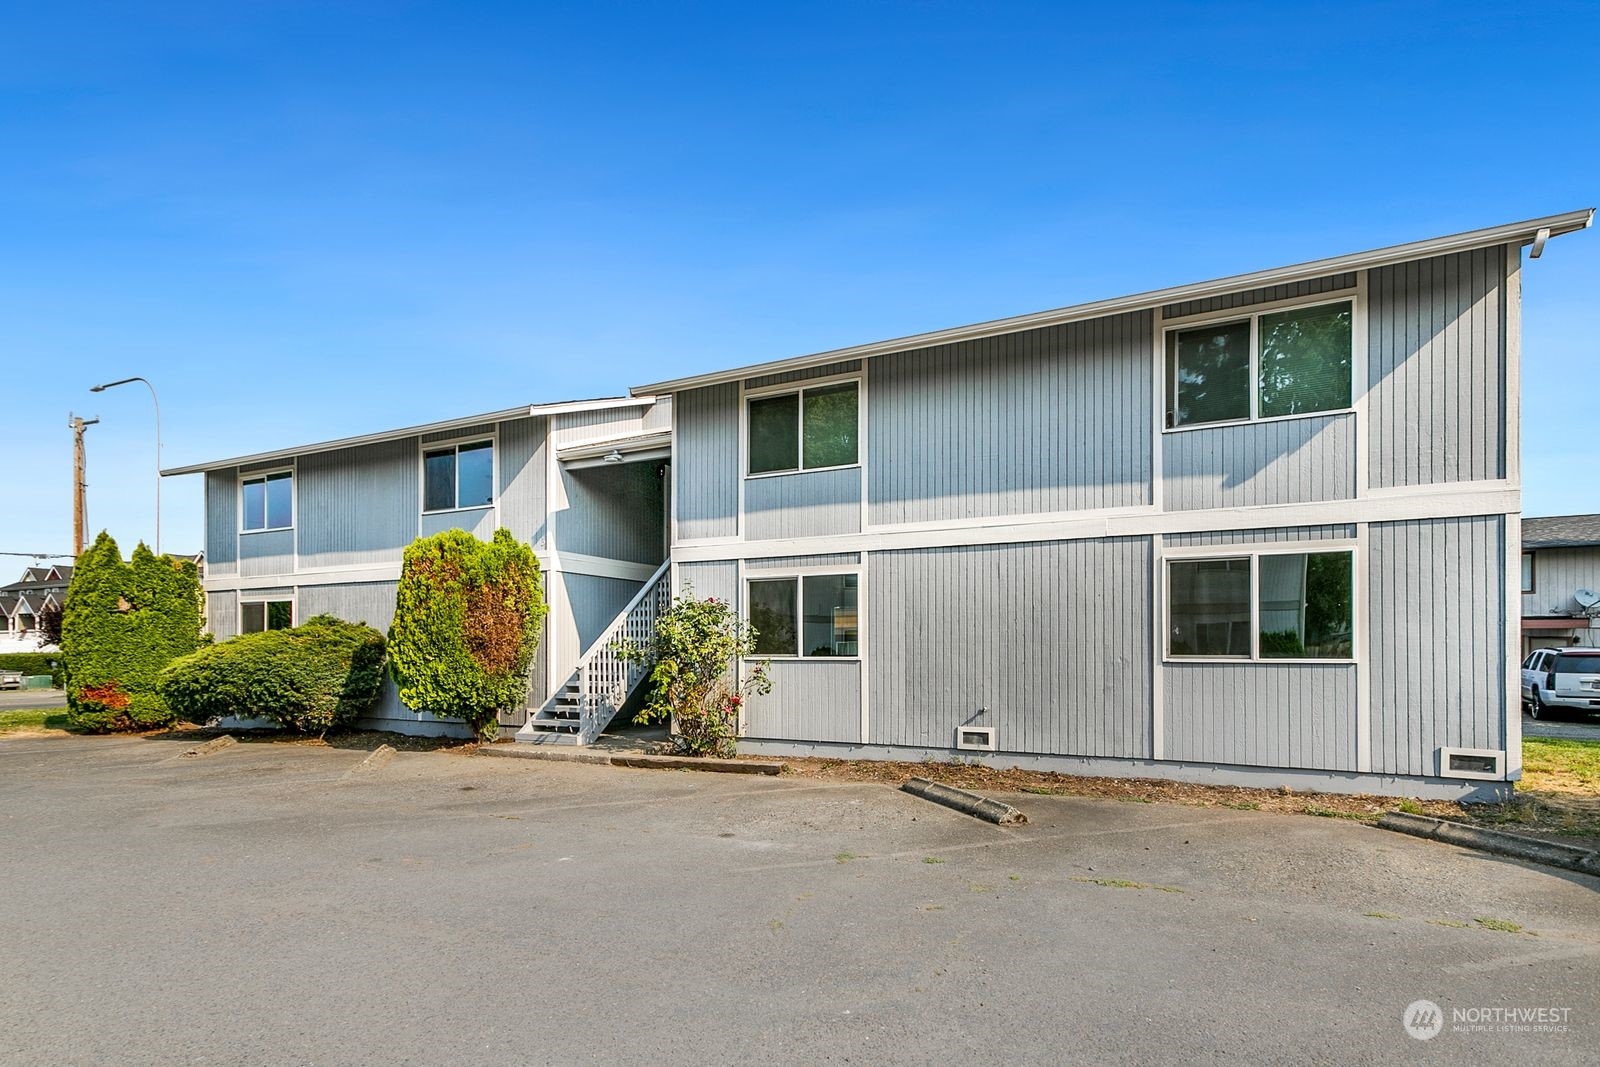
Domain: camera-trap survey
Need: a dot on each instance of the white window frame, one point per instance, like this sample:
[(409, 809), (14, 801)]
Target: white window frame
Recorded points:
[(262, 476), (800, 389), (1252, 313), (456, 445), (1254, 553), (797, 577), (1496, 775), (1532, 560), (251, 597)]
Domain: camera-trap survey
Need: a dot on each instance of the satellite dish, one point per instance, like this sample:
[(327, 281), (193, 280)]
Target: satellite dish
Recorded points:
[(1586, 598)]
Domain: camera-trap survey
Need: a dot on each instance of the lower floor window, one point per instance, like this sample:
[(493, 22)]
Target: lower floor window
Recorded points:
[(1267, 605), (258, 615), (813, 615)]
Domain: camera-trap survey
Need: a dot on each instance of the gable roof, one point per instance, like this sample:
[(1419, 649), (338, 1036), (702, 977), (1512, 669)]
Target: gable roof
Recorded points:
[(1518, 233), (1561, 531)]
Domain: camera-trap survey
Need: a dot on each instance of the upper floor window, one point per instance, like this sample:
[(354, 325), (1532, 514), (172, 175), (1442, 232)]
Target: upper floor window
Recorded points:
[(1262, 366), (805, 430), (1261, 606), (458, 476), (269, 502), (815, 615), (1527, 572)]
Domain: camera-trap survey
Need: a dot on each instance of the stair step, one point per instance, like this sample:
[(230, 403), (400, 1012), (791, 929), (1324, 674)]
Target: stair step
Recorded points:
[(555, 725)]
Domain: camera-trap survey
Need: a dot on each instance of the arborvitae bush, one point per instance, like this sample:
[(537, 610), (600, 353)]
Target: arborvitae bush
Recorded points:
[(466, 624), (322, 674), (121, 624)]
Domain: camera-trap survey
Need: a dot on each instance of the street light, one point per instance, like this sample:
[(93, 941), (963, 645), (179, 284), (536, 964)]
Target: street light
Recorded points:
[(147, 385)]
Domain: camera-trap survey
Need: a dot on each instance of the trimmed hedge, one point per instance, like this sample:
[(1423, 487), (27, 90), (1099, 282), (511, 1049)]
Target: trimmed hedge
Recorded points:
[(121, 624), (321, 674), (466, 624), (51, 663)]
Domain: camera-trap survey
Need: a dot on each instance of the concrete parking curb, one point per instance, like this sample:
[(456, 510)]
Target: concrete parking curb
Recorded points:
[(376, 760), (634, 760), (1549, 853), (979, 807), (216, 744)]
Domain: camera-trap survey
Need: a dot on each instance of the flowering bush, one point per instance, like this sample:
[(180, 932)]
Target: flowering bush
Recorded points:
[(694, 658)]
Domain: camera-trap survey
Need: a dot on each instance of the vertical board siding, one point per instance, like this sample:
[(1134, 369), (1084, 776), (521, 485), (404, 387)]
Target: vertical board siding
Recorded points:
[(521, 465), (707, 580), (266, 553), (357, 505), (707, 470), (1288, 461), (1047, 420), (1052, 638), (849, 366), (222, 522), (479, 522), (574, 427), (1293, 291), (483, 429), (368, 602), (1283, 535), (222, 614), (808, 504), (811, 700), (786, 563), (1438, 591), (1261, 714), (615, 511), (1557, 572), (1437, 358), (596, 602)]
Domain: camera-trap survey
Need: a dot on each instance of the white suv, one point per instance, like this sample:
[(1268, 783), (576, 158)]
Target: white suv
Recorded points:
[(1561, 678)]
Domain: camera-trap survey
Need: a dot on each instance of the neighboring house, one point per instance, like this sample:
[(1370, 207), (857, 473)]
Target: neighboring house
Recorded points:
[(24, 600), (1260, 530), (321, 528), (1560, 564)]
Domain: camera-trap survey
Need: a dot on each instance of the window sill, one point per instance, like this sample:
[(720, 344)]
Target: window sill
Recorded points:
[(1255, 422), (804, 470), (457, 511), (267, 530), (774, 658), (1276, 661)]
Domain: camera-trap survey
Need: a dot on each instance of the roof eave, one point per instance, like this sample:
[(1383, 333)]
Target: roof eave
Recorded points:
[(1509, 233)]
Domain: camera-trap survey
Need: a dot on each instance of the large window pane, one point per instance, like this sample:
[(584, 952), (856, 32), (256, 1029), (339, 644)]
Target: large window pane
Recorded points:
[(280, 501), (475, 475), (830, 425), (1305, 360), (772, 614), (439, 480), (775, 433), (1527, 572), (280, 614), (829, 623), (252, 618), (1208, 607), (1305, 609), (1209, 374), (255, 505)]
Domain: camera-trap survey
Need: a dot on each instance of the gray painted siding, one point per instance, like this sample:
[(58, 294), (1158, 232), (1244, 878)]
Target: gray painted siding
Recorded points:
[(1055, 419), (222, 614), (784, 563), (222, 522), (812, 700), (357, 505), (808, 504), (1437, 590), (483, 429), (616, 511), (596, 602), (522, 470), (720, 580), (1289, 461), (1261, 714), (1436, 341), (1228, 538), (1311, 287), (1556, 573), (1053, 638), (577, 426), (479, 522), (368, 602), (707, 470), (266, 553), (849, 366)]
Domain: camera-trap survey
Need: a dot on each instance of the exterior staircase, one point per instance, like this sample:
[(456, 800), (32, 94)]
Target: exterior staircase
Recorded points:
[(603, 680)]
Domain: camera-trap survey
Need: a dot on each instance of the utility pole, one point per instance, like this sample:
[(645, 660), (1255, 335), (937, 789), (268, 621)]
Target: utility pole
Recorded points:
[(79, 510)]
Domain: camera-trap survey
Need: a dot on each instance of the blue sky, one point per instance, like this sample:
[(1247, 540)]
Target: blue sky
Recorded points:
[(308, 221)]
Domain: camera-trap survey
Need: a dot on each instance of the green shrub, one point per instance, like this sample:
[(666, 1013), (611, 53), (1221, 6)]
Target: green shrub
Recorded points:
[(466, 624), (51, 663), (694, 655), (321, 674), (121, 624)]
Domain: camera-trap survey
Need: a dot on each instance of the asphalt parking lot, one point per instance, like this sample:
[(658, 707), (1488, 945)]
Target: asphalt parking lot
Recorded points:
[(272, 904)]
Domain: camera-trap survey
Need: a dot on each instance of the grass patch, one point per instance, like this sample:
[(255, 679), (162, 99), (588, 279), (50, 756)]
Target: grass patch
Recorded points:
[(932, 859), (1454, 924), (1123, 883), (1409, 807), (1378, 915), (1505, 926), (1329, 813), (1560, 765), (843, 857), (33, 719)]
